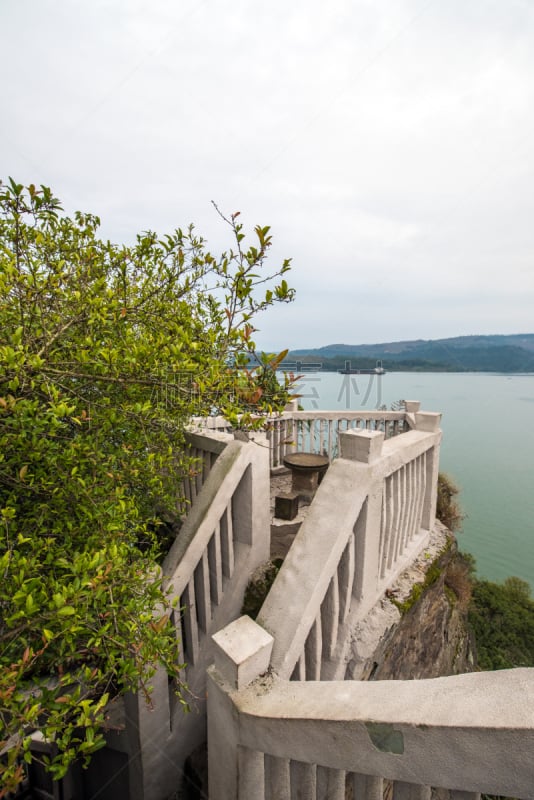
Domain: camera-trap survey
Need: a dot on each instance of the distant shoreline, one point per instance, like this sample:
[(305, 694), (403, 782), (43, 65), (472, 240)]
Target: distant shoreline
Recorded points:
[(401, 368), (436, 370), (489, 354)]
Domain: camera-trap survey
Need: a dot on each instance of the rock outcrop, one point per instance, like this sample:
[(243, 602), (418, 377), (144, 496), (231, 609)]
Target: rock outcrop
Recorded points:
[(420, 629)]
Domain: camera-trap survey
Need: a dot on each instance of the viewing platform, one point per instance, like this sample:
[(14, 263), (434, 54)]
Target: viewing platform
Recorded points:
[(271, 695)]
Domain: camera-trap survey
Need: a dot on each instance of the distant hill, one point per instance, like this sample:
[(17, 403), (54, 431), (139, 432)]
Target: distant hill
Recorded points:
[(496, 353)]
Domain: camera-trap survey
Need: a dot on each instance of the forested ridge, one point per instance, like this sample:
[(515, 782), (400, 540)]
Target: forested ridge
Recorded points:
[(497, 353)]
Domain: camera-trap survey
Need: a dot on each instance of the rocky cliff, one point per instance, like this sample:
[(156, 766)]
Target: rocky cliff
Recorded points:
[(420, 629)]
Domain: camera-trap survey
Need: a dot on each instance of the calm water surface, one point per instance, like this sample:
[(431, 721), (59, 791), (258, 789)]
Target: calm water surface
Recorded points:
[(488, 448)]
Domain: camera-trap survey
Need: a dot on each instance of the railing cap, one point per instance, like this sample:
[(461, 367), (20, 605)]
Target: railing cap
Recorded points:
[(242, 652)]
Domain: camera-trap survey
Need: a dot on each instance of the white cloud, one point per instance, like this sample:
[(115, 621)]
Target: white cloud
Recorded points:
[(388, 144)]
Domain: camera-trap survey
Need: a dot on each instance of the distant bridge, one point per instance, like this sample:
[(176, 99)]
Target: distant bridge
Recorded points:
[(301, 366)]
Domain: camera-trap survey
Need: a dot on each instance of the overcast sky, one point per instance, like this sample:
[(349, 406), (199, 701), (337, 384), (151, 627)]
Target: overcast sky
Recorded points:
[(388, 143)]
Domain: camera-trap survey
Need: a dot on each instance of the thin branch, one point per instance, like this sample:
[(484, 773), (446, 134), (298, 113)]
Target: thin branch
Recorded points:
[(58, 333)]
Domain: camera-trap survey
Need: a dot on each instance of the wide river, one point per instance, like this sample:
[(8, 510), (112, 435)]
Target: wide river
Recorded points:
[(488, 448)]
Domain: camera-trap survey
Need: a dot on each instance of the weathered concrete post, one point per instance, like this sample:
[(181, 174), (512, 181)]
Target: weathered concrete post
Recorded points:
[(411, 407), (365, 447), (429, 422), (147, 723), (242, 652)]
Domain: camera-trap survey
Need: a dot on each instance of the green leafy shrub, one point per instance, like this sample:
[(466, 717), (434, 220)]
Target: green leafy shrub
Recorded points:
[(459, 579), (106, 351), (502, 619), (448, 509)]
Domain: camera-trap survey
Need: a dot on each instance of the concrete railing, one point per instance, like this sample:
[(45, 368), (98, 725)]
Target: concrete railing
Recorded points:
[(276, 733), (370, 517), (224, 537), (318, 431), (204, 450), (272, 739), (208, 425)]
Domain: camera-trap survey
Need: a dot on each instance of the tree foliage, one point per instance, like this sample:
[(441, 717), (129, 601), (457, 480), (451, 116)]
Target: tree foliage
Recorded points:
[(105, 353), (502, 618), (448, 509)]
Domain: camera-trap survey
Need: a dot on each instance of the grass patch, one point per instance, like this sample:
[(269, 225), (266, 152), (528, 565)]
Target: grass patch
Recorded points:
[(418, 589)]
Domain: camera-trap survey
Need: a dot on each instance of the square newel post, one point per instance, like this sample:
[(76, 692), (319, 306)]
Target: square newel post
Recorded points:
[(429, 423), (147, 726), (365, 447), (411, 407), (242, 652), (361, 445), (292, 406)]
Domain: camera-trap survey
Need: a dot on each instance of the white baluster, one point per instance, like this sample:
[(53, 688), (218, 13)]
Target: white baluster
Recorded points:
[(346, 579), (367, 787), (176, 619), (303, 780), (385, 526), (277, 782), (275, 443), (190, 623), (322, 436), (313, 649), (410, 791), (199, 469), (421, 489), (215, 566), (330, 617), (299, 673), (202, 592), (395, 517), (403, 516), (251, 774), (206, 466), (227, 543), (330, 784), (412, 499)]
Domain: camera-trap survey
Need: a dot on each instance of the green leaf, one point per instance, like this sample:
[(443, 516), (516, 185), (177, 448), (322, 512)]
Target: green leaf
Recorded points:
[(66, 611)]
